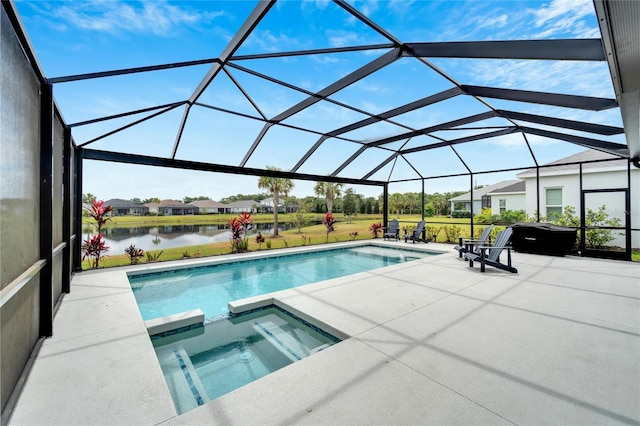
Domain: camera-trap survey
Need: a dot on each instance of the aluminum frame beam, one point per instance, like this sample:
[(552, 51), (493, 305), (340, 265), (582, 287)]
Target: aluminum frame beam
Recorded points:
[(556, 49), (609, 147), (124, 71), (120, 157), (442, 126), (582, 126), (472, 138), (544, 98)]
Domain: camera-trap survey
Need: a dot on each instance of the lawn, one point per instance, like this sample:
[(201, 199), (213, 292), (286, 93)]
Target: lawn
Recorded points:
[(346, 229), (446, 230)]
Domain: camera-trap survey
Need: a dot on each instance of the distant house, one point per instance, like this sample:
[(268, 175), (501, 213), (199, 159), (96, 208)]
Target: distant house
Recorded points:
[(172, 208), (508, 198), (249, 206), (126, 208), (209, 206), (266, 206), (481, 198)]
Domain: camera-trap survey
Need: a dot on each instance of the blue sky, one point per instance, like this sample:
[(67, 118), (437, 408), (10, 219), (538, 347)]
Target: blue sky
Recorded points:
[(75, 37)]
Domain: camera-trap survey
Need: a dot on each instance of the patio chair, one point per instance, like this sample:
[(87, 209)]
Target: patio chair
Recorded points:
[(393, 231), (416, 235), (469, 245), (490, 255)]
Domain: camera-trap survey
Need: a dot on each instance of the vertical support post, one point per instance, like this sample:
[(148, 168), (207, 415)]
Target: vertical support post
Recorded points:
[(537, 193), (67, 193), (77, 249), (385, 204), (46, 209), (627, 212), (583, 218), (424, 231), (471, 207)]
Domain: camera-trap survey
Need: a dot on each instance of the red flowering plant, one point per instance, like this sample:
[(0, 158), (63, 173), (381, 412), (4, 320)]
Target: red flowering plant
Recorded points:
[(240, 226), (375, 228), (328, 221), (259, 240), (95, 246)]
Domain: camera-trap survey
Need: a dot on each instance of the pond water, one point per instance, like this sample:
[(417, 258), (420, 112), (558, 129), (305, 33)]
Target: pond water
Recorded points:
[(169, 236)]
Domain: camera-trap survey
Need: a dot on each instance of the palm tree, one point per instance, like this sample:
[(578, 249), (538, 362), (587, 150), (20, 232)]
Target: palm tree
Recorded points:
[(330, 191), (277, 187)]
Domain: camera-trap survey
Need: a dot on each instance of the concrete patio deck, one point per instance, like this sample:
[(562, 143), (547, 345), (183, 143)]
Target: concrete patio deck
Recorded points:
[(431, 342)]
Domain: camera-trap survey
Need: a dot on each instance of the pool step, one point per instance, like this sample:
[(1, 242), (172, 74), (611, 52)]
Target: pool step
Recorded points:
[(182, 379), (289, 341)]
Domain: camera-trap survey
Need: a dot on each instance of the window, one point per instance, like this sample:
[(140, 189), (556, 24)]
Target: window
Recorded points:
[(503, 205), (553, 203)]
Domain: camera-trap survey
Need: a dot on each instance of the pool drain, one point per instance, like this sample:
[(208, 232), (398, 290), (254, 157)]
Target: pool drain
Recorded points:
[(245, 356)]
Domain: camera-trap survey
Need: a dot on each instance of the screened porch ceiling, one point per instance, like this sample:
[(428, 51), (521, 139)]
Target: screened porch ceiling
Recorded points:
[(336, 91)]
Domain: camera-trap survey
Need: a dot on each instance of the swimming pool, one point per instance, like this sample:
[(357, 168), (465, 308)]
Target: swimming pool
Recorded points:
[(211, 288)]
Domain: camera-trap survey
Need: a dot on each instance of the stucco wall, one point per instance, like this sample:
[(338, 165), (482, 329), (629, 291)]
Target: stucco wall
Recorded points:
[(514, 202)]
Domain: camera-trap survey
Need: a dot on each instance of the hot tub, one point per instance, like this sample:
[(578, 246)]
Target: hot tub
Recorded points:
[(543, 238)]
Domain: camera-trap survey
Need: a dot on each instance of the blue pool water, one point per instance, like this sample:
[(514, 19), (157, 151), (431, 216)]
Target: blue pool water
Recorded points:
[(212, 360), (210, 288)]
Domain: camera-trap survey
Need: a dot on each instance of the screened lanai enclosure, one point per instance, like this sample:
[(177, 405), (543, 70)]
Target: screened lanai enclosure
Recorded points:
[(385, 96)]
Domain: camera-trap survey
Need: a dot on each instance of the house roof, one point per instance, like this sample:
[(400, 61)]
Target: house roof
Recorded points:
[(120, 203), (242, 204), (478, 193), (169, 203), (207, 204), (589, 159), (519, 186)]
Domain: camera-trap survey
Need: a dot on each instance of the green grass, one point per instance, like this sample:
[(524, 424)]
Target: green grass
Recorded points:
[(310, 235)]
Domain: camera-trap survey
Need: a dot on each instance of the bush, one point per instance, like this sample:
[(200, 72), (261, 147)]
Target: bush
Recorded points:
[(458, 214), (429, 210), (452, 232), (594, 238)]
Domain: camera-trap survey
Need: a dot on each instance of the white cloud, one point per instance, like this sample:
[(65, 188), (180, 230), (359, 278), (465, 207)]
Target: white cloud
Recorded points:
[(562, 17), (114, 17), (341, 38)]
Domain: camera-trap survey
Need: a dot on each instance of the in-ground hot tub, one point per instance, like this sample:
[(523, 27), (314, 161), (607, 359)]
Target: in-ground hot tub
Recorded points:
[(543, 238)]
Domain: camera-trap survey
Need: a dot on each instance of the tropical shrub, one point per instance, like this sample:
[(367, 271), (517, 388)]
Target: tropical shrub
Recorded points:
[(259, 240), (240, 226), (94, 246), (375, 228), (328, 222), (135, 254)]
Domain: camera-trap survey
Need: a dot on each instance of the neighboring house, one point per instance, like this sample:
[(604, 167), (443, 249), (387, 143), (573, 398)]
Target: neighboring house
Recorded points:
[(560, 187), (249, 206), (126, 208), (508, 198), (266, 206), (481, 197), (209, 206), (171, 208)]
